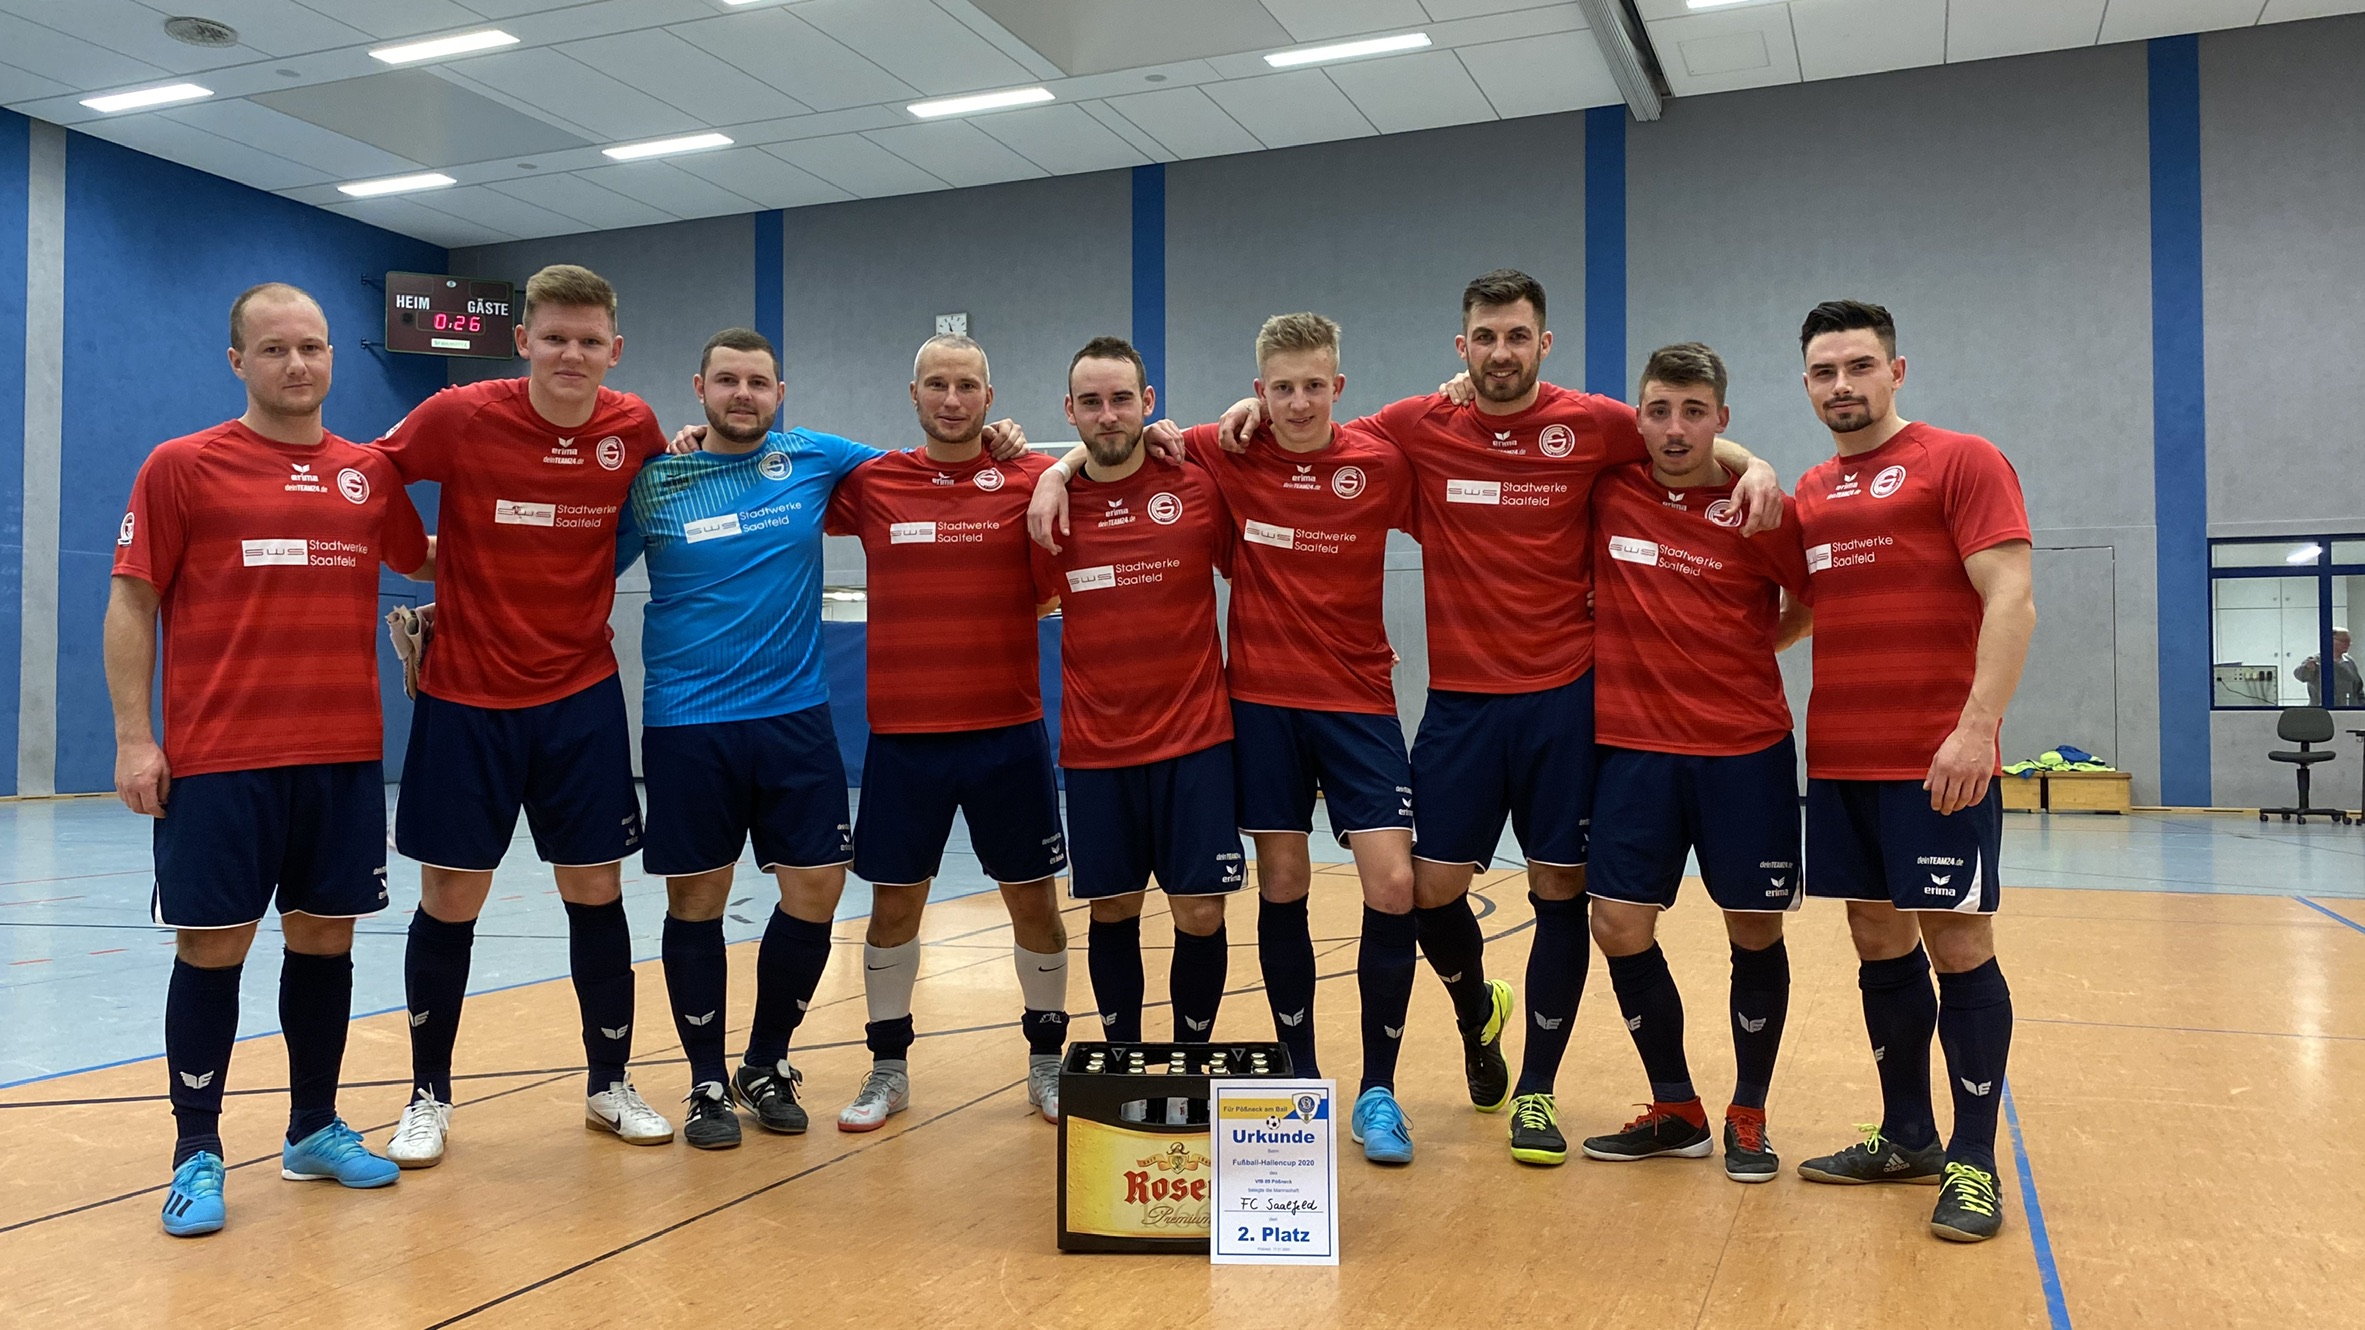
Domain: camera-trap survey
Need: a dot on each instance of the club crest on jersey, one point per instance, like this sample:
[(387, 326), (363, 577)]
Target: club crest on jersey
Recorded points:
[(1347, 482), (1557, 441), (1724, 512), (774, 466), (123, 534), (353, 485), (610, 452), (989, 480), (1888, 482), (1164, 508)]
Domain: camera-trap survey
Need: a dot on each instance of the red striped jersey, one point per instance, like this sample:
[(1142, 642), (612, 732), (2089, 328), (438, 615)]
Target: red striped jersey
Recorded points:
[(952, 596), (525, 556), (1896, 617), (1309, 566), (1503, 513), (266, 555), (1685, 609), (1141, 668)]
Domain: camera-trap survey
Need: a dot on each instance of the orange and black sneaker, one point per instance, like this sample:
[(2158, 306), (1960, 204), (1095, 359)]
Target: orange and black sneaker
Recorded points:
[(1680, 1130), (1748, 1155)]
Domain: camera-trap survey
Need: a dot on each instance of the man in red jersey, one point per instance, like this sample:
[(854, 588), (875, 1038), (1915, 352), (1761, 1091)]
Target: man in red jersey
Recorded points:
[(943, 529), (1696, 754), (1917, 546), (259, 541), (1145, 724), (1313, 701), (519, 705), (1503, 479)]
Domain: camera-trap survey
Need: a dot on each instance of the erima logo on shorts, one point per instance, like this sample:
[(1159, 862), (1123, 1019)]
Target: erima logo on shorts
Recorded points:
[(1474, 491), (1265, 533), (1626, 549), (267, 553), (711, 528), (1092, 579), (911, 533), (512, 512)]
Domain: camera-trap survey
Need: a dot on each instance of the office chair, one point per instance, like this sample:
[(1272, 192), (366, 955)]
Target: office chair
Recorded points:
[(2307, 727)]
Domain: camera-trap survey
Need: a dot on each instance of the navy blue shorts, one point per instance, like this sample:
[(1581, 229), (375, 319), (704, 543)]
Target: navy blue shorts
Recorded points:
[(1878, 840), (1481, 756), (1172, 819), (1282, 755), (712, 786), (313, 835), (567, 763), (999, 780), (1739, 812)]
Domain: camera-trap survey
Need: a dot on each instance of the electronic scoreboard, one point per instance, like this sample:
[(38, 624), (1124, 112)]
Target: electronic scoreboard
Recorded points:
[(433, 315)]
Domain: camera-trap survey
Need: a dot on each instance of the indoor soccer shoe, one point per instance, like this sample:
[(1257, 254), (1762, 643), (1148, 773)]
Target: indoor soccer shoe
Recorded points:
[(886, 1091), (1659, 1131), (336, 1152), (1379, 1127), (620, 1109), (1877, 1159), (419, 1137), (712, 1123), (193, 1205), (1042, 1084), (1968, 1208), (1482, 1052), (772, 1097), (1535, 1131), (1748, 1155)]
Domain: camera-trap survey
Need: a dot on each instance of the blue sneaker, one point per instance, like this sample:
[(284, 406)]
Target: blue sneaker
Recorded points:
[(336, 1151), (194, 1205), (1380, 1127)]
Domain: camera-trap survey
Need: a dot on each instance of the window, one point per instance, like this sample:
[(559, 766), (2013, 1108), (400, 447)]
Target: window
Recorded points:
[(2279, 616)]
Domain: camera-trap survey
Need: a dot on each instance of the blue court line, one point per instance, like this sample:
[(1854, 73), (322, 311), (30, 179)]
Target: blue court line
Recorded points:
[(2039, 1237), (2334, 915)]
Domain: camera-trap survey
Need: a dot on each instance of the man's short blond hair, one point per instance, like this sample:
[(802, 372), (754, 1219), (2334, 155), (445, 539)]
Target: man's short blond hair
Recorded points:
[(1297, 332), (274, 291), (571, 286)]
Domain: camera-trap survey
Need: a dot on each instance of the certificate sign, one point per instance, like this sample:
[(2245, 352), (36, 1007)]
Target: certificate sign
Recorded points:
[(1276, 1197)]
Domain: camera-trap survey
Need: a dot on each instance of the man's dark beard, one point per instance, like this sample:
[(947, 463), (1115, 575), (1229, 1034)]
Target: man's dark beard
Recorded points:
[(721, 426), (1113, 454), (1518, 388), (1850, 427)]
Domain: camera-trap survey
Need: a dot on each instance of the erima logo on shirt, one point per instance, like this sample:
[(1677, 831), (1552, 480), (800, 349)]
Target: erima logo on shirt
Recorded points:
[(711, 528), (1888, 482), (1557, 441), (1474, 491), (1502, 439), (1846, 489), (911, 533), (268, 553), (1092, 579), (1626, 549), (513, 512), (300, 478), (1265, 533)]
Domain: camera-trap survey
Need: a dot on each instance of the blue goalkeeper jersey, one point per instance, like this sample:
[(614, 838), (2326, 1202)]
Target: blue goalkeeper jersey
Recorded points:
[(733, 628)]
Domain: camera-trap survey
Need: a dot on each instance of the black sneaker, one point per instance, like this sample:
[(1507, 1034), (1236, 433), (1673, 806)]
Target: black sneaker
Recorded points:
[(1877, 1159), (772, 1096), (1535, 1131), (1482, 1052), (1748, 1155), (1968, 1207), (1659, 1131), (713, 1123)]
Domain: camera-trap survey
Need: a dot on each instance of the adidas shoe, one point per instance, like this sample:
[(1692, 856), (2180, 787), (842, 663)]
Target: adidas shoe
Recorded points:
[(336, 1152), (193, 1205), (1877, 1159), (712, 1123), (1535, 1131), (1379, 1126), (419, 1137), (1661, 1129), (772, 1097), (1042, 1084), (1482, 1052), (1968, 1208), (1748, 1155), (620, 1109), (886, 1091)]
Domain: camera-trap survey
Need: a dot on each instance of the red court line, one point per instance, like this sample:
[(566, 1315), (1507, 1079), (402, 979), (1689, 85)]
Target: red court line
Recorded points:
[(108, 952), (37, 960)]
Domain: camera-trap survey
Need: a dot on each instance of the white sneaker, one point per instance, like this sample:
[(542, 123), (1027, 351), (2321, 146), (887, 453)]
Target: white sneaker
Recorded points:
[(1042, 1084), (620, 1109), (418, 1138), (886, 1091)]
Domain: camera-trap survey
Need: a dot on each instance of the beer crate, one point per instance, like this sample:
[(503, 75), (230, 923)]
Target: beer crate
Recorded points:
[(1136, 1181)]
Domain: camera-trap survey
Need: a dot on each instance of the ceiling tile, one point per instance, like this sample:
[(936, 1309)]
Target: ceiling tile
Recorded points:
[(1563, 71), (666, 186), (70, 60), (2136, 20), (415, 114), (1087, 37), (410, 219), (1322, 20), (856, 165), (572, 92), (17, 85), (2018, 27), (2284, 11), (1302, 106), (1842, 38), (1446, 11), (1721, 51), (955, 152), (1406, 92), (176, 142), (675, 72), (1127, 130), (1187, 122), (259, 126), (1061, 139), (273, 27), (490, 207), (916, 42), (759, 175), (408, 19), (135, 31), (784, 51), (598, 209)]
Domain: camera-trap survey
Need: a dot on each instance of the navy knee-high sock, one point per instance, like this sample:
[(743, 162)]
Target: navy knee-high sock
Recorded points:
[(1556, 964), (788, 966), (1975, 1027), (1759, 1006), (434, 984), (1456, 950), (1195, 983), (697, 983), (315, 1011), (200, 1025), (1114, 960), (1901, 1016), (599, 954), (1654, 1017), (1384, 967), (1285, 952)]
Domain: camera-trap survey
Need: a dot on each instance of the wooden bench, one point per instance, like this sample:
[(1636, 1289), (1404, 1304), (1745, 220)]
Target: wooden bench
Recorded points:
[(2069, 792)]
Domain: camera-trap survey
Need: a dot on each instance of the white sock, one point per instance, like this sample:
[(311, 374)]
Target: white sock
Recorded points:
[(1042, 978), (888, 974)]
